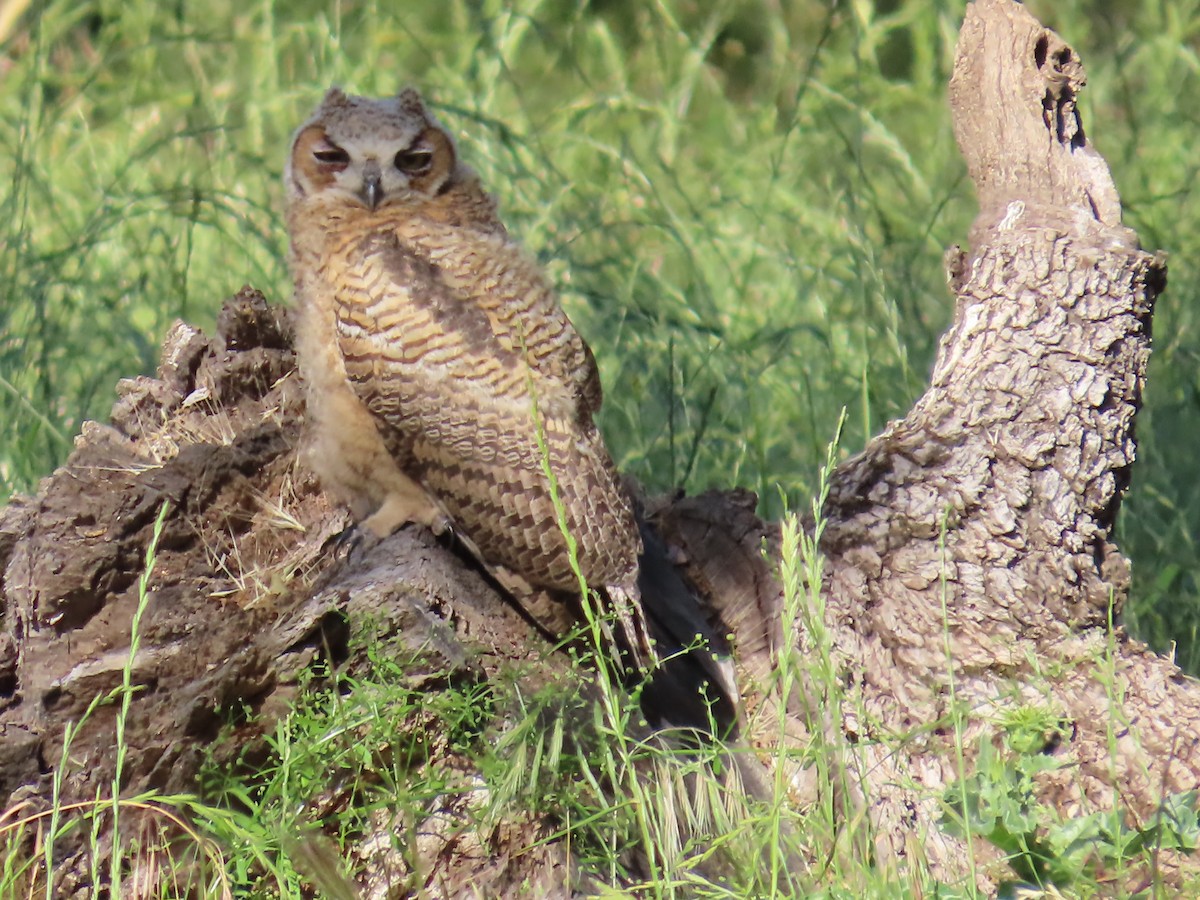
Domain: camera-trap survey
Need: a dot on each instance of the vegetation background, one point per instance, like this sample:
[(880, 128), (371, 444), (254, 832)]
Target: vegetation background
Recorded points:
[(744, 204)]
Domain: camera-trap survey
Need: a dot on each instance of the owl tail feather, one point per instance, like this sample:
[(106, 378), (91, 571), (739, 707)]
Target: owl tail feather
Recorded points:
[(692, 685), (687, 678)]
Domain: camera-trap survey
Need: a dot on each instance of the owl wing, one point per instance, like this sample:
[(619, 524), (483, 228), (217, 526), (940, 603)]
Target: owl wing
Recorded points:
[(453, 379)]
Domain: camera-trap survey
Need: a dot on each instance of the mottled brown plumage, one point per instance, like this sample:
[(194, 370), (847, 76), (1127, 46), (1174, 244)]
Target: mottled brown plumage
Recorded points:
[(442, 372)]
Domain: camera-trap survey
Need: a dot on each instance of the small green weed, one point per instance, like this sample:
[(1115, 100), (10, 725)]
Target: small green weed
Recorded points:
[(999, 802)]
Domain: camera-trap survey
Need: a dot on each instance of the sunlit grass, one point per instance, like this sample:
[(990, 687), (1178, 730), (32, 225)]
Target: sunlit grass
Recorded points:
[(717, 229)]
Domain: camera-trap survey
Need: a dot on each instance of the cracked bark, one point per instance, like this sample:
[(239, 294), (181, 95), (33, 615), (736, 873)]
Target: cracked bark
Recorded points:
[(968, 548), (969, 544)]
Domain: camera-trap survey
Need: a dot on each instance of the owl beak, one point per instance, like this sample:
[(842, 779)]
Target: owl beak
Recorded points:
[(372, 192)]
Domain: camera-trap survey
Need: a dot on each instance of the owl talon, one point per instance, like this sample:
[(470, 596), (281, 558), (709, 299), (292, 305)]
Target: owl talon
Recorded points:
[(343, 543), (354, 540)]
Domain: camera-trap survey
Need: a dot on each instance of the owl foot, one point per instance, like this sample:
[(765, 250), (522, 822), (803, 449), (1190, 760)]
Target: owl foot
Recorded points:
[(353, 541), (400, 509)]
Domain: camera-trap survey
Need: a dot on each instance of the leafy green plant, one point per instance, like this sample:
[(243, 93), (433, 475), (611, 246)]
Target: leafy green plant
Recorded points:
[(999, 802)]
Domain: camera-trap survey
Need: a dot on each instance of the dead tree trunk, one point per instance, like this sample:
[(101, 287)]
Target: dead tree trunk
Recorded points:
[(969, 564), (968, 546), (972, 539)]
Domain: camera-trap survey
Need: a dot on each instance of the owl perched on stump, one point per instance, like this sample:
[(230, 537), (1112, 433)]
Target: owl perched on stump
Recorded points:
[(445, 384)]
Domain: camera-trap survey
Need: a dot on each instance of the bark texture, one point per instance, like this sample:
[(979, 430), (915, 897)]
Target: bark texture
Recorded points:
[(249, 590), (969, 572), (969, 544)]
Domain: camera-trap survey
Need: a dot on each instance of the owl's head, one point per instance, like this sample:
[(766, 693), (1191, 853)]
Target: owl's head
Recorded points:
[(371, 152)]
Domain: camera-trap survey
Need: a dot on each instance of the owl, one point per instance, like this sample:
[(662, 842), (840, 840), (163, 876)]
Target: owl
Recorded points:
[(445, 385)]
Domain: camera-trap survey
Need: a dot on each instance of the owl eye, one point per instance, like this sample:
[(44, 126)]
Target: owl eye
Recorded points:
[(330, 155), (415, 161)]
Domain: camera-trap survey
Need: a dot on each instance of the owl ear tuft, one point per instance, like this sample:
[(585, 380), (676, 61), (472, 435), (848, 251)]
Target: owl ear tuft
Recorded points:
[(334, 97), (410, 101)]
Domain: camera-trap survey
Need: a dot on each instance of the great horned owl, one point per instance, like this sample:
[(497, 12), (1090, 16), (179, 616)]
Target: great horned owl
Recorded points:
[(447, 387), (443, 377)]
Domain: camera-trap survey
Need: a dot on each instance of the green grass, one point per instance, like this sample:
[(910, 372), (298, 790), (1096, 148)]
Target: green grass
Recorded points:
[(744, 205)]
